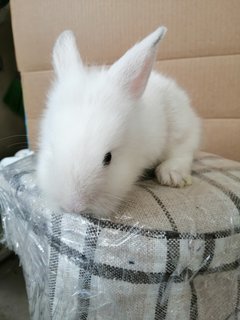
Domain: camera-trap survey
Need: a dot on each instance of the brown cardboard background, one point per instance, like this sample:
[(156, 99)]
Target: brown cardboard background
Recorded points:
[(222, 136), (201, 51), (105, 29)]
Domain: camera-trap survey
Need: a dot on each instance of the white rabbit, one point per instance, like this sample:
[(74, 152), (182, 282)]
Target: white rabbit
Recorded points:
[(103, 126)]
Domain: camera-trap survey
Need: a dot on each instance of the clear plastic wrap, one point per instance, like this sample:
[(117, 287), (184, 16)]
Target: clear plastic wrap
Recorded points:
[(167, 254)]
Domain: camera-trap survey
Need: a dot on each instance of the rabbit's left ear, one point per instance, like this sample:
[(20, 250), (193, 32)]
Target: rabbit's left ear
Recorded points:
[(65, 56), (132, 70)]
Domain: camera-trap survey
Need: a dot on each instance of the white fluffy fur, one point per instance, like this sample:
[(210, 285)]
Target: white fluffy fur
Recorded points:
[(141, 117)]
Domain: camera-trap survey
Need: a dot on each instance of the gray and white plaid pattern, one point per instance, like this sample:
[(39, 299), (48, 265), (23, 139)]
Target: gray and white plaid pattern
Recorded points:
[(168, 254)]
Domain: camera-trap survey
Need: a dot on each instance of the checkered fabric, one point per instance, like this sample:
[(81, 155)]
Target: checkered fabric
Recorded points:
[(167, 254)]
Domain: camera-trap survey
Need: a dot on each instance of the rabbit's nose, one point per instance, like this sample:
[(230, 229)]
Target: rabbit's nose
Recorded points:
[(74, 206), (73, 209)]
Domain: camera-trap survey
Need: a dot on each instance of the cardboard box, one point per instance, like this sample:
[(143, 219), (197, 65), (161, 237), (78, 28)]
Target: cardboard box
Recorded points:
[(201, 51)]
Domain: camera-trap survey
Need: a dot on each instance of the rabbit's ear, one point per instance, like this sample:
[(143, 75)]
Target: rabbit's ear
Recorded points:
[(132, 70), (66, 57)]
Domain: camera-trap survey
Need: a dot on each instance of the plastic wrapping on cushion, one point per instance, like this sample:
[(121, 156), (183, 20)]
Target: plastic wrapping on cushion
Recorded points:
[(167, 254), (4, 252)]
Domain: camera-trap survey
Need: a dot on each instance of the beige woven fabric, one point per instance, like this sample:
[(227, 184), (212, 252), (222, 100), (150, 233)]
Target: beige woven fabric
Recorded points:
[(168, 254)]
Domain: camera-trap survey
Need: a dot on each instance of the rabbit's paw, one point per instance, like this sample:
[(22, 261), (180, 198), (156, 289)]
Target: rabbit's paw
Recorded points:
[(172, 176)]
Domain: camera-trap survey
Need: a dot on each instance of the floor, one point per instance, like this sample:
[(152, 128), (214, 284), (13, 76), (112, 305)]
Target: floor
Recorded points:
[(13, 298)]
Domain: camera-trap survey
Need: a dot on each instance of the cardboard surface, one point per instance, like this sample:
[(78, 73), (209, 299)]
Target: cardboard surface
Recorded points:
[(106, 29), (222, 136), (201, 51)]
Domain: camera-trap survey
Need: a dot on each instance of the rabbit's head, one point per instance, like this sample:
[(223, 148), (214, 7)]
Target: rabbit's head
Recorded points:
[(87, 155)]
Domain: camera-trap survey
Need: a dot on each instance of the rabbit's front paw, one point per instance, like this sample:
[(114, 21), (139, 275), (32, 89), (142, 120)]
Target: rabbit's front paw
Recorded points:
[(169, 175)]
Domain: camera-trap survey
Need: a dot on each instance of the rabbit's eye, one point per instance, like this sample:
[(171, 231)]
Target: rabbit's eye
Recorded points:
[(107, 159)]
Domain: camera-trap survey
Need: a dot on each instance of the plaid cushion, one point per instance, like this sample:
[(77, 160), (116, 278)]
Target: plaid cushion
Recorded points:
[(167, 254)]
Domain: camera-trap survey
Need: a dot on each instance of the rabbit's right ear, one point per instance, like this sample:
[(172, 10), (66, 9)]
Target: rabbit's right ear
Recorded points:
[(133, 69), (66, 57)]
